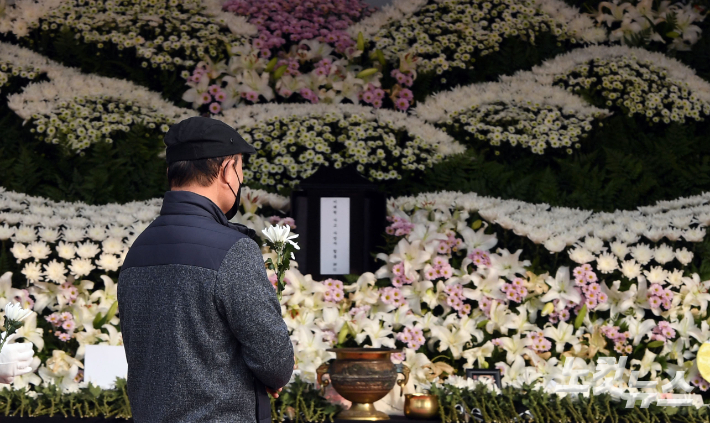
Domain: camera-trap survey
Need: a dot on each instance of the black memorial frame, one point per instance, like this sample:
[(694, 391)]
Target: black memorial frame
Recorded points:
[(492, 373), (368, 211)]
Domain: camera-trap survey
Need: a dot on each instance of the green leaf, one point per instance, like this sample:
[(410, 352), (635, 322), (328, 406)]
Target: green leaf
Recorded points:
[(672, 34), (655, 344), (482, 324), (476, 224), (580, 317)]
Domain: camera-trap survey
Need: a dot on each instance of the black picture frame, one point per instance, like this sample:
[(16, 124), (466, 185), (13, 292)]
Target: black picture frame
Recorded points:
[(478, 373)]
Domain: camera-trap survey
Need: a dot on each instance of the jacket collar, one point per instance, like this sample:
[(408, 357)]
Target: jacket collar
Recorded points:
[(190, 203)]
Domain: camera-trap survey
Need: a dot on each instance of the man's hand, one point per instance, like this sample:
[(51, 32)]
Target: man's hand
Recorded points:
[(273, 393)]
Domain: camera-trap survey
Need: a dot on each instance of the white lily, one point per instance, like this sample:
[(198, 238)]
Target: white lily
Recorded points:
[(478, 354), (639, 329), (647, 364), (562, 289), (451, 339), (562, 334), (686, 328)]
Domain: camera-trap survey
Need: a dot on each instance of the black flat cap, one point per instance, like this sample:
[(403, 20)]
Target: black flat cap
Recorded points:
[(203, 138)]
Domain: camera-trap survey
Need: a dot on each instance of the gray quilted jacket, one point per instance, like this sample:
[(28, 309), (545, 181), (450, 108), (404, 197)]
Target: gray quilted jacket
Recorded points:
[(201, 324)]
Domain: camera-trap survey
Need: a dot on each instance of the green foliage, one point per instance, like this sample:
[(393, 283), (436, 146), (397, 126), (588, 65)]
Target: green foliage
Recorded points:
[(50, 401), (543, 407), (301, 402), (622, 165)]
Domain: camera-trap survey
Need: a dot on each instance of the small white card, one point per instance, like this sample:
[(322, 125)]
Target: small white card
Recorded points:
[(103, 364), (335, 236)]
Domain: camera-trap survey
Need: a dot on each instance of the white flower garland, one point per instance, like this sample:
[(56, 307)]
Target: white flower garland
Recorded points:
[(189, 29), (78, 109), (557, 228), (646, 83), (517, 112), (298, 138), (449, 34)]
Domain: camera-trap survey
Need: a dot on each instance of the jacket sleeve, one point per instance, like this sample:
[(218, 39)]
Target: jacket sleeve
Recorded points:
[(247, 300)]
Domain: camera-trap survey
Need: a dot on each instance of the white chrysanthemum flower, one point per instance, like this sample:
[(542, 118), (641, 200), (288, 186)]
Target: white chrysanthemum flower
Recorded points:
[(630, 269), (108, 262), (55, 271), (6, 232), (49, 235), (25, 234), (663, 254), (20, 251), (65, 250), (656, 275), (33, 272), (73, 234), (619, 249), (87, 250), (607, 263), (684, 256), (112, 246), (81, 267), (642, 253), (14, 311), (96, 233), (581, 255), (39, 250)]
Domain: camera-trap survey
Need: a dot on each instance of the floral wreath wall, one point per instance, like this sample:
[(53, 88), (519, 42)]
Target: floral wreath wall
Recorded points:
[(467, 280)]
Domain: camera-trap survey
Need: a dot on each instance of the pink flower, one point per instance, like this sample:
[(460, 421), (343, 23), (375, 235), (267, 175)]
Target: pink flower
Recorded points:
[(206, 98), (69, 325), (215, 108), (401, 104), (63, 336), (252, 96), (406, 94), (220, 96), (214, 89)]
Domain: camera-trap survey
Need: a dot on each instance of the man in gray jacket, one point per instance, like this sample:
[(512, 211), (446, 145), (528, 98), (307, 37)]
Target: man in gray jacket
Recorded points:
[(202, 328)]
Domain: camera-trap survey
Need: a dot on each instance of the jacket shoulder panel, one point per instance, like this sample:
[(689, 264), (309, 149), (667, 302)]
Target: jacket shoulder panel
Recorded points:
[(188, 240)]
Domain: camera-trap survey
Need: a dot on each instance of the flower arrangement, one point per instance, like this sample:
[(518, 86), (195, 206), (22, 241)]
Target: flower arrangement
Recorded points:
[(168, 35), (78, 110), (453, 34), (521, 113), (293, 141), (14, 315), (645, 22), (632, 80), (282, 23)]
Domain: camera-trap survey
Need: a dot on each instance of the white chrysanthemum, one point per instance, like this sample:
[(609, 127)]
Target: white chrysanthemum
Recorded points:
[(663, 254), (642, 253), (39, 250), (96, 233), (33, 272), (684, 256), (619, 249), (81, 267), (25, 234), (108, 262), (49, 235), (20, 251), (72, 234), (55, 271), (6, 232), (87, 250), (656, 275), (112, 246), (607, 263), (67, 251), (581, 255), (630, 269)]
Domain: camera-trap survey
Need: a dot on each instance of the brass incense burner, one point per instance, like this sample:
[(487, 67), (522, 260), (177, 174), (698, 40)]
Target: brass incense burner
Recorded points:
[(362, 376), (421, 406)]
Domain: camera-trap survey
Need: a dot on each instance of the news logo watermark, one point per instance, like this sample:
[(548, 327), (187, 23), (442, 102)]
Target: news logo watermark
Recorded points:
[(603, 385)]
